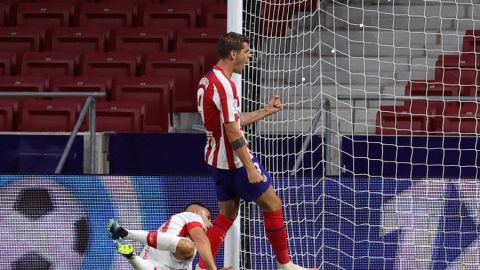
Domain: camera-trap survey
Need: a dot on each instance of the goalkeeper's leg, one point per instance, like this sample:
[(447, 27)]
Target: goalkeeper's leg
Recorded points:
[(157, 240), (127, 251)]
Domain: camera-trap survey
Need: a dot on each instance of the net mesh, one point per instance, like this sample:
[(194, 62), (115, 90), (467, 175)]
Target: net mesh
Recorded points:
[(379, 116)]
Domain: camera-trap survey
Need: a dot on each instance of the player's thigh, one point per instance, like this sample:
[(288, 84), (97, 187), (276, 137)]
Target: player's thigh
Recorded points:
[(223, 183)]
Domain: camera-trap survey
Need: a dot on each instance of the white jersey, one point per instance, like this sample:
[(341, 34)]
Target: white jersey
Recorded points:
[(179, 225)]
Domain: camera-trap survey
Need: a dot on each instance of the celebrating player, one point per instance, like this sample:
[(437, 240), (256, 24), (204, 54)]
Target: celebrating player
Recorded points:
[(236, 172), (173, 245)]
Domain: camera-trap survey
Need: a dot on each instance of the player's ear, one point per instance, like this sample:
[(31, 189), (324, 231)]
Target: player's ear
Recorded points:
[(233, 54)]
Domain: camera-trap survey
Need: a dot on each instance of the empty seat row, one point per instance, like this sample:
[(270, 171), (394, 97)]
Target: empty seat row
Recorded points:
[(185, 69), (156, 93), (436, 88), (422, 117), (201, 40), (61, 115), (114, 14)]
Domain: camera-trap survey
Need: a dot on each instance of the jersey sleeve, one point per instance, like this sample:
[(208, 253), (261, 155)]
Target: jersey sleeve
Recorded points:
[(228, 102)]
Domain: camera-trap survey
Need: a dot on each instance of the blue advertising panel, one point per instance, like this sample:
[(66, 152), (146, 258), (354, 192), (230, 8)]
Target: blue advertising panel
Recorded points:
[(59, 221)]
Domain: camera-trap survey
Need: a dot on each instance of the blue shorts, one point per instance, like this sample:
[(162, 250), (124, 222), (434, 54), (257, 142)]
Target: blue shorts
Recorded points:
[(232, 184)]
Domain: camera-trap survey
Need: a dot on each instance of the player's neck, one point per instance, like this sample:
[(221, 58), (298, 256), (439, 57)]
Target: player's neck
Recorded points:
[(227, 67)]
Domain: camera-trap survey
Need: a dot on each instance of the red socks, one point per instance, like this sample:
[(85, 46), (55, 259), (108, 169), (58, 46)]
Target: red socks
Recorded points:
[(277, 234), (216, 235)]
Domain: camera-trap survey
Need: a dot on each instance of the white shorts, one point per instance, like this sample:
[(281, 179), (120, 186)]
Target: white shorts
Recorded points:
[(164, 260)]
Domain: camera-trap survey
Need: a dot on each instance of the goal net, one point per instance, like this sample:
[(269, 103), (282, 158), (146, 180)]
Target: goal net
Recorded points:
[(375, 153)]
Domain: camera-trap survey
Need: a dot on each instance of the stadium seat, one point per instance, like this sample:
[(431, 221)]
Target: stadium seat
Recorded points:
[(202, 41), (185, 68), (457, 69), (21, 39), (217, 17), (23, 83), (107, 14), (471, 41), (79, 39), (462, 120), (55, 115), (4, 14), (143, 40), (82, 84), (118, 116), (110, 64), (8, 109), (45, 15), (157, 95), (171, 15), (431, 88), (7, 62), (48, 63), (403, 120)]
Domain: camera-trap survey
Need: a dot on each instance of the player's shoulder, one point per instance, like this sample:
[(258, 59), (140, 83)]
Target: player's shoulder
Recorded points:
[(189, 217)]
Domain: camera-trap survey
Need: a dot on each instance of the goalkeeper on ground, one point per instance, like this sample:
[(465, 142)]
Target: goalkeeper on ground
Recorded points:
[(173, 246)]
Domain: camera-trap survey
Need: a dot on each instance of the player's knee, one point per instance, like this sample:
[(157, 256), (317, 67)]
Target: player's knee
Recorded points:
[(185, 249)]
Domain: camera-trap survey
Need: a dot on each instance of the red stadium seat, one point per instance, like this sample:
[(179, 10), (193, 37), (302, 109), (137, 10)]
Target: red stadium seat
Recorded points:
[(79, 39), (4, 14), (56, 115), (23, 83), (143, 40), (21, 39), (48, 63), (157, 95), (185, 68), (119, 116), (108, 15), (110, 64), (82, 84), (457, 69), (202, 41), (171, 15), (431, 88), (217, 16), (403, 120), (45, 15), (8, 108), (462, 120), (7, 61), (471, 41)]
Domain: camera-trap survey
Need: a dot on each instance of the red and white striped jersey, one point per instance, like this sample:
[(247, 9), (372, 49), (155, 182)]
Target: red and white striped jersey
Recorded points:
[(218, 102), (180, 225)]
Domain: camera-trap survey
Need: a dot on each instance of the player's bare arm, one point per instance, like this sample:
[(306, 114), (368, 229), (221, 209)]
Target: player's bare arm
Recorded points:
[(273, 106), (203, 246), (235, 137)]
